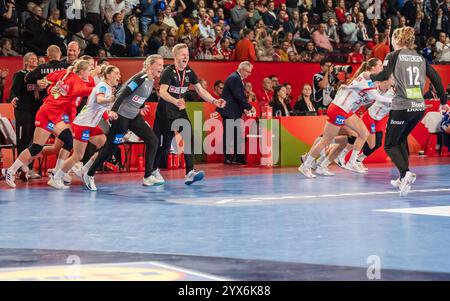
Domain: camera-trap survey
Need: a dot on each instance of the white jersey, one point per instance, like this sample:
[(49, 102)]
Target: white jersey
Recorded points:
[(360, 92), (382, 106), (92, 112)]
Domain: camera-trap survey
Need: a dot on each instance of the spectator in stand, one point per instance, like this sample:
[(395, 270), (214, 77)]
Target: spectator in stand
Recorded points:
[(429, 52), (148, 12), (350, 30), (218, 35), (401, 22), (269, 15), (6, 48), (443, 48), (155, 27), (289, 98), (281, 25), (293, 57), (410, 9), (340, 11), (275, 80), (372, 28), (93, 47), (355, 57), (367, 54), (446, 8), (304, 103), (260, 30), (137, 46), (239, 16), (131, 28), (225, 52), (321, 39), (329, 12), (117, 29), (54, 19), (332, 31), (207, 51), (112, 48), (265, 95), (94, 9), (421, 26), (295, 24), (218, 88), (83, 36), (253, 15), (8, 19), (309, 52), (205, 27), (168, 18), (292, 7), (305, 29), (285, 47), (279, 105), (440, 23), (381, 49), (188, 29), (248, 90), (245, 49), (166, 49), (363, 33)]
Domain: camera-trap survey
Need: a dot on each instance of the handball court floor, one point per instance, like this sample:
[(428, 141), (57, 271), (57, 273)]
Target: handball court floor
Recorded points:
[(240, 223)]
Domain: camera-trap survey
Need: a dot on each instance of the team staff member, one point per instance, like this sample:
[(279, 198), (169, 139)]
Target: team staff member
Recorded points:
[(127, 114), (408, 106), (26, 103), (174, 84)]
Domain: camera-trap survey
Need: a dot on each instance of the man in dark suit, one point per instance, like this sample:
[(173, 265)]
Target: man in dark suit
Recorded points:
[(236, 104)]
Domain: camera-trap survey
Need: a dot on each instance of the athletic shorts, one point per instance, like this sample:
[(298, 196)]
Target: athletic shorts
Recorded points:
[(46, 118), (336, 115), (83, 133), (371, 124)]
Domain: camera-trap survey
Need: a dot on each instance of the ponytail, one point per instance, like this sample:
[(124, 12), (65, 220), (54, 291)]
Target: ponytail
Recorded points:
[(365, 66)]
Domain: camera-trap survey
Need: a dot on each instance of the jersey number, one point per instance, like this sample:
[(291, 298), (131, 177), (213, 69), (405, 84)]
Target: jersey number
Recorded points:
[(413, 73)]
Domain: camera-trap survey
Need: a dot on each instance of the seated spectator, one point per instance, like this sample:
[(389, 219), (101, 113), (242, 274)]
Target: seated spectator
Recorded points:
[(265, 51), (439, 23), (260, 30), (284, 51), (54, 19), (157, 41), (429, 52), (281, 25), (289, 98), (82, 36), (443, 48), (278, 104), (321, 39), (329, 12), (332, 31), (6, 48), (131, 28), (309, 52), (248, 90), (112, 48), (340, 11), (349, 30), (355, 57), (166, 49), (305, 30), (245, 49), (218, 88), (225, 52), (293, 57), (304, 103), (117, 29), (136, 47), (207, 50), (93, 46)]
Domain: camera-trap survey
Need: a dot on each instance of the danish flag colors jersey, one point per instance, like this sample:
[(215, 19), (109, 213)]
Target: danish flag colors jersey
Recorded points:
[(92, 112), (382, 105), (359, 93)]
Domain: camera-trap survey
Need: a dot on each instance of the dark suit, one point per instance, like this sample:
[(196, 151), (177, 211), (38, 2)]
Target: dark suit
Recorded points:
[(233, 94)]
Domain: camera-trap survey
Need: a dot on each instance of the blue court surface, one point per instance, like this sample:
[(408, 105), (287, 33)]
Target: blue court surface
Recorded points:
[(240, 223)]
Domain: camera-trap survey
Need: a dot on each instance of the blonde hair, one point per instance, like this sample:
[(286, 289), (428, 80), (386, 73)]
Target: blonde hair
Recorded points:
[(107, 69), (26, 57), (178, 47), (365, 66), (76, 68), (404, 37), (53, 52), (150, 60)]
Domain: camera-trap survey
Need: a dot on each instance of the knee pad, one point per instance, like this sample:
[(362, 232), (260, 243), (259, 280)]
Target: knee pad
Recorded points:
[(351, 140), (35, 149), (67, 138)]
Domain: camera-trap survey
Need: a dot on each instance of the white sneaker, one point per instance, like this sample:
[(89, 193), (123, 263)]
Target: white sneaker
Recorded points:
[(89, 182), (67, 179), (306, 171), (354, 167), (152, 181), (396, 183), (58, 184), (158, 176), (33, 175), (405, 185), (194, 176), (340, 162), (324, 171), (78, 169), (9, 178), (362, 166)]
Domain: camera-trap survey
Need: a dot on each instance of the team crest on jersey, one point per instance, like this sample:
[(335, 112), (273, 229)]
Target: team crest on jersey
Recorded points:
[(340, 120), (65, 118), (85, 135), (50, 126), (118, 139)]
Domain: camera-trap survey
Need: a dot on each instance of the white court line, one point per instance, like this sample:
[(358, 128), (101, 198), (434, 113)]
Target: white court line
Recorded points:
[(187, 271), (329, 195), (435, 210)]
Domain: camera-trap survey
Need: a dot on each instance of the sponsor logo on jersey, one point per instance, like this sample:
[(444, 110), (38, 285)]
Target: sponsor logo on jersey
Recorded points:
[(370, 83), (133, 85), (339, 120), (397, 122), (178, 90), (85, 135), (50, 126), (420, 105), (372, 128), (118, 139), (410, 58), (102, 89), (138, 99), (65, 118)]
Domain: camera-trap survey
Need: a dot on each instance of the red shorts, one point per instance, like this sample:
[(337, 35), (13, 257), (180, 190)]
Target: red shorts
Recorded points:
[(46, 118), (336, 115), (371, 124), (83, 133)]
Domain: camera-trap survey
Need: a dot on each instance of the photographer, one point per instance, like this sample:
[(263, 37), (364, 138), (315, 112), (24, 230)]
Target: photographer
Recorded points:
[(324, 84)]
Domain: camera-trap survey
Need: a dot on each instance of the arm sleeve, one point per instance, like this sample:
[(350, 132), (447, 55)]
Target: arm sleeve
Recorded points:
[(127, 90), (389, 66), (375, 95), (437, 83), (16, 84), (33, 76), (238, 94)]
